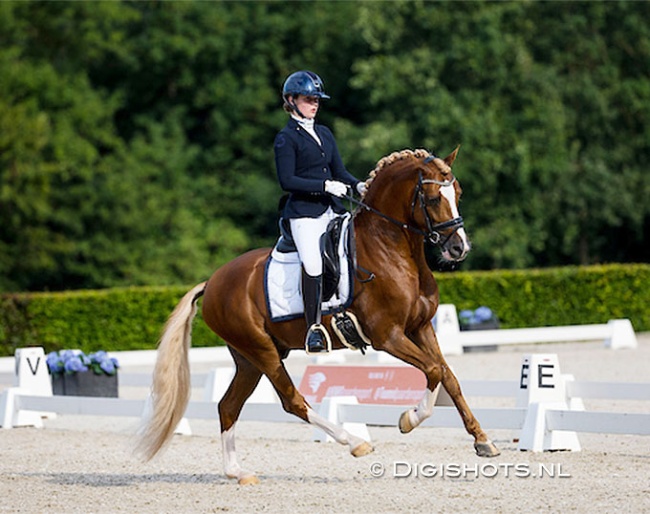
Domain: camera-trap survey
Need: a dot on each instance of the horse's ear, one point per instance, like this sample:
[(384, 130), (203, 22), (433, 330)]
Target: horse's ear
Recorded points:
[(449, 160)]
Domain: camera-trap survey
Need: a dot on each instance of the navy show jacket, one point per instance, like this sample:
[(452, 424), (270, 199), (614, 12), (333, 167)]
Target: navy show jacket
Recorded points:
[(303, 166)]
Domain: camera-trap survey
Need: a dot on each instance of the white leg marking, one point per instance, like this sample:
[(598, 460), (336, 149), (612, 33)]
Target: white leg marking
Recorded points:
[(423, 410), (230, 464), (337, 432)]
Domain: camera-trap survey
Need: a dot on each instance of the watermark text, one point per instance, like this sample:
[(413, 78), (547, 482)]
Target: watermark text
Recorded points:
[(405, 469)]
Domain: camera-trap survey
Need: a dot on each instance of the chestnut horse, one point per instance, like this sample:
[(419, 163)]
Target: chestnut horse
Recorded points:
[(411, 196)]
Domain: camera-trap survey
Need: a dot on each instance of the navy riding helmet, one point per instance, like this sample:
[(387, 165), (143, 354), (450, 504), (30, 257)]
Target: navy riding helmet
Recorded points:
[(305, 83)]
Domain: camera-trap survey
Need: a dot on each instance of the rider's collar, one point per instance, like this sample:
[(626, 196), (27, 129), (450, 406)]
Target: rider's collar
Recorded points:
[(304, 122)]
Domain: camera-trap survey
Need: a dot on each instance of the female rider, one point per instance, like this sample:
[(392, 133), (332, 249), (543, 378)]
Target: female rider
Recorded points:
[(310, 169)]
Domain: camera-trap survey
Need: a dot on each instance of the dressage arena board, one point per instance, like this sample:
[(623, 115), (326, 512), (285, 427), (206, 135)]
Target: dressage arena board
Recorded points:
[(83, 463)]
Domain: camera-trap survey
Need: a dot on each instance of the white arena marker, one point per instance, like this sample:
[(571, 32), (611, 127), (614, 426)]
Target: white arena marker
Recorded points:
[(10, 414), (622, 334), (447, 328), (32, 376), (183, 427), (542, 388), (31, 371), (217, 383)]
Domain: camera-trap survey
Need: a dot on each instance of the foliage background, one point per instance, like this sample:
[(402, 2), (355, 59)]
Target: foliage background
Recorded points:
[(136, 137)]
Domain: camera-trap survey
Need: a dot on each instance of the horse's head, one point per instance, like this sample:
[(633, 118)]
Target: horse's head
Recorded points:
[(436, 197), (421, 188)]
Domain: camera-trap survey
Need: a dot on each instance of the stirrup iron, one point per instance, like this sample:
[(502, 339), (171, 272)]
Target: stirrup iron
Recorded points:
[(317, 327)]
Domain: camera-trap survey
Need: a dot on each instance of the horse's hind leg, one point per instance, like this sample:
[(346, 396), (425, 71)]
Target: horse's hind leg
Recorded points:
[(242, 386), (294, 403), (358, 447)]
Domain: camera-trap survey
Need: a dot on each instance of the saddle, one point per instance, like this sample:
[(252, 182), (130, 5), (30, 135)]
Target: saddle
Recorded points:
[(282, 279), (329, 248)]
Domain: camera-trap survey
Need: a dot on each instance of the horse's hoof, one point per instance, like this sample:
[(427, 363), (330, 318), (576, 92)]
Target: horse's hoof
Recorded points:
[(248, 480), (486, 449), (362, 450), (405, 423)]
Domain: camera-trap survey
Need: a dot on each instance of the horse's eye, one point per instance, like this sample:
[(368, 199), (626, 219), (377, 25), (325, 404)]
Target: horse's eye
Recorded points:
[(433, 200)]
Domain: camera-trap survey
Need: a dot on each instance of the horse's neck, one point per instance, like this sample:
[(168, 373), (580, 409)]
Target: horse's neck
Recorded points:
[(384, 242), (379, 240)]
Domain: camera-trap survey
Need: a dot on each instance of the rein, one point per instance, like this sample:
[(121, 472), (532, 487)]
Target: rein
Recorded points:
[(432, 234)]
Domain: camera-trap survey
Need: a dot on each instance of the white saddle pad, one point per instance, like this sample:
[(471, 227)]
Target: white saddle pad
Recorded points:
[(283, 276)]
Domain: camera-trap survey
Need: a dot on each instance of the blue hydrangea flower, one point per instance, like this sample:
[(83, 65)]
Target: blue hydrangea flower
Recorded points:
[(466, 314), (72, 361), (483, 314), (469, 318), (75, 364), (107, 366), (54, 362), (67, 355)]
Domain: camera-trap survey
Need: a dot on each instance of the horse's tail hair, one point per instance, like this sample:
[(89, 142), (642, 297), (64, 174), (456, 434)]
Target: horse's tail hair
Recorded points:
[(170, 391)]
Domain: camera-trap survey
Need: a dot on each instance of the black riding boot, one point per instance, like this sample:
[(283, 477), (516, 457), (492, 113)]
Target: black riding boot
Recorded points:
[(312, 290)]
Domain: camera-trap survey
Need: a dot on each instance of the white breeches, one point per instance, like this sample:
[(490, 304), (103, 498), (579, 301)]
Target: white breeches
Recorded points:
[(306, 234)]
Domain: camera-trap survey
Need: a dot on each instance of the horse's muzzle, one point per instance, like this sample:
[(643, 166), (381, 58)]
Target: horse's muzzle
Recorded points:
[(456, 247)]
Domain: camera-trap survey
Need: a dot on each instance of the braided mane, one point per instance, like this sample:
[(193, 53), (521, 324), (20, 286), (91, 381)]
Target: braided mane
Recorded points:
[(393, 157)]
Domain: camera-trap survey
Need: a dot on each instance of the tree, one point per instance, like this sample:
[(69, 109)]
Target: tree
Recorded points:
[(136, 137)]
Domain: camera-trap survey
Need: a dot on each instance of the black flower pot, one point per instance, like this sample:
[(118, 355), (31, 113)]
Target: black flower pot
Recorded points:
[(58, 385), (85, 383), (490, 324)]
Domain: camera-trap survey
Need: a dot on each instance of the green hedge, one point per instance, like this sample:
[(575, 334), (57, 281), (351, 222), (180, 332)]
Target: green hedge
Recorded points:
[(111, 319), (132, 318), (557, 296)]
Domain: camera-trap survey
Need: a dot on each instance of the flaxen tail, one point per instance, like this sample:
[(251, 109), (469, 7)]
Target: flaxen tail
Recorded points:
[(170, 392)]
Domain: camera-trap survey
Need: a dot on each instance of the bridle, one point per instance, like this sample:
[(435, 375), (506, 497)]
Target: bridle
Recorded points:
[(433, 232)]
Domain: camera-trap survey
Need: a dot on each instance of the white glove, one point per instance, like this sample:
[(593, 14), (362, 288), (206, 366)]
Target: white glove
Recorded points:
[(336, 188), (362, 188)]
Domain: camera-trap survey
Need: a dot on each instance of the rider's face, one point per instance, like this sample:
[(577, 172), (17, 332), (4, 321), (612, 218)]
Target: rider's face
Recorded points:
[(307, 105)]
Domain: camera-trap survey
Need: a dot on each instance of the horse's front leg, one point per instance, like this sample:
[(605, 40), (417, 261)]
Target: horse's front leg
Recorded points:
[(482, 444), (426, 356)]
